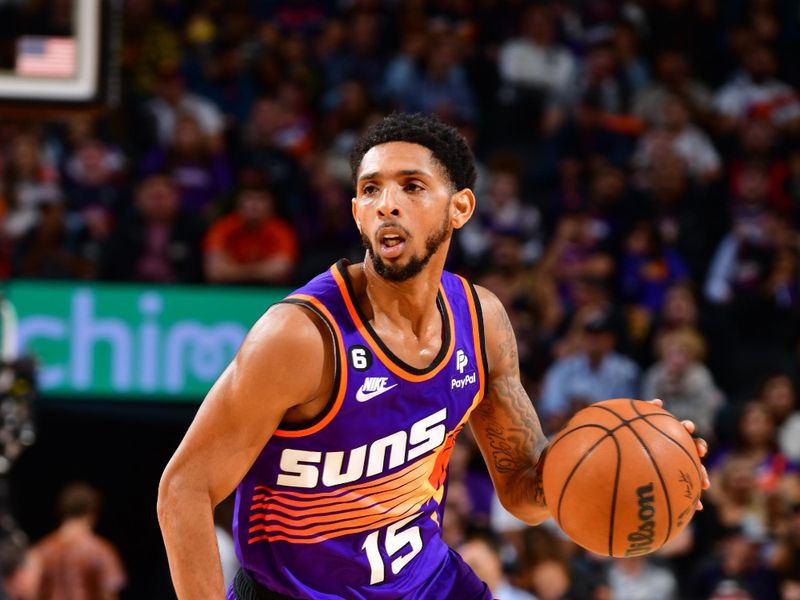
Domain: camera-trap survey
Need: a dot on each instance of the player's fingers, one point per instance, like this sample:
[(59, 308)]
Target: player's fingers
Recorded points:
[(706, 481), (702, 447), (699, 505), (689, 425), (658, 402)]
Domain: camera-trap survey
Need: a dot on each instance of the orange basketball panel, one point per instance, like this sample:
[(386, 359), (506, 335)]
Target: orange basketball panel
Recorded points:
[(583, 504)]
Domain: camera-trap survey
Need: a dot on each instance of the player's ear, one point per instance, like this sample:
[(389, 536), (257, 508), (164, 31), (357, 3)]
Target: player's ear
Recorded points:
[(462, 205), (354, 208)]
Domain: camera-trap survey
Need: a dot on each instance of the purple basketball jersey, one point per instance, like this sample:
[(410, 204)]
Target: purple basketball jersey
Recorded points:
[(351, 504)]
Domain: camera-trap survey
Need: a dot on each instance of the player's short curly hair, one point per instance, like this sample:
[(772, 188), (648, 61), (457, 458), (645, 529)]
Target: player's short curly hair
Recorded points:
[(448, 146)]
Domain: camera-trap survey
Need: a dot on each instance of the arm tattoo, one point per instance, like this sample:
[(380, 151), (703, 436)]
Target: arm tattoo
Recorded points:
[(510, 423)]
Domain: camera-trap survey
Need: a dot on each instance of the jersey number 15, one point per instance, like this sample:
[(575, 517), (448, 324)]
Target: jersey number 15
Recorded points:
[(396, 539)]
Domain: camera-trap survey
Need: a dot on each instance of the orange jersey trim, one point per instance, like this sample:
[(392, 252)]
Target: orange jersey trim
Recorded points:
[(398, 496), (340, 393), (388, 520), (476, 337), (341, 513), (393, 481), (367, 335)]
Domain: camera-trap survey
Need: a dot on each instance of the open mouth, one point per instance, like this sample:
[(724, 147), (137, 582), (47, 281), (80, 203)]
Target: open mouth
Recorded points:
[(391, 242)]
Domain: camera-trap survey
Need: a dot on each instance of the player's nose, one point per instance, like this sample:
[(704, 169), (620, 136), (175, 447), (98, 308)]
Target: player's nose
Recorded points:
[(388, 202)]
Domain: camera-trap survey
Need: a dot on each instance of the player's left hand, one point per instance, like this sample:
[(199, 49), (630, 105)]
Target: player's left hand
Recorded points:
[(701, 445)]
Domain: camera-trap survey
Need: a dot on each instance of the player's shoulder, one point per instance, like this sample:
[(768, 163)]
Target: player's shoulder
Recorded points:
[(498, 332), (287, 329), (492, 308)]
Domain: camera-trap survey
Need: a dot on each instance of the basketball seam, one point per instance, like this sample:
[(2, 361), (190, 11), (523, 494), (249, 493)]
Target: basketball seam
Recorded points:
[(670, 438), (627, 422), (586, 454), (614, 497), (578, 428), (658, 472)]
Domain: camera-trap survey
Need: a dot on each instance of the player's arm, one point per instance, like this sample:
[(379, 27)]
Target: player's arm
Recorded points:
[(285, 361), (505, 424)]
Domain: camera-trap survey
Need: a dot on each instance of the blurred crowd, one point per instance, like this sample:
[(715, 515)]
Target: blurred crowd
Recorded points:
[(638, 215)]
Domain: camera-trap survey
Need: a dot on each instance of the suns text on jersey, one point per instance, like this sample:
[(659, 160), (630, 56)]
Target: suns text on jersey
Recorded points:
[(302, 468)]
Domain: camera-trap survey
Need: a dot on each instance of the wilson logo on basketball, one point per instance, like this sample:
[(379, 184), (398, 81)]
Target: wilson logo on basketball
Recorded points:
[(642, 539)]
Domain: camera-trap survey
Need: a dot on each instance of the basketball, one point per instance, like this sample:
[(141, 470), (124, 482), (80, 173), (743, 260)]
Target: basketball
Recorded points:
[(622, 478)]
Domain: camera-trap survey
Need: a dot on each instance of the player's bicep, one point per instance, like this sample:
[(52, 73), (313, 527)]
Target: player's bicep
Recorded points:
[(278, 366)]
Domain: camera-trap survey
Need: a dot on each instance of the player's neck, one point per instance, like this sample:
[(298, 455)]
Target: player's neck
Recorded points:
[(402, 302)]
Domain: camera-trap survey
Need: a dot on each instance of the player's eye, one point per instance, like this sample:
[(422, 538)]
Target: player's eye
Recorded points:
[(412, 187), (369, 190)]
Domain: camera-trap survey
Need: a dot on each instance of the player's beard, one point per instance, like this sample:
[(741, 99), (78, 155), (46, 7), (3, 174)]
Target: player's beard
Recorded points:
[(415, 264)]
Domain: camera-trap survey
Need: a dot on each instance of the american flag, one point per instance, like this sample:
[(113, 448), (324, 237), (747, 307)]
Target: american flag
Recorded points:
[(40, 56)]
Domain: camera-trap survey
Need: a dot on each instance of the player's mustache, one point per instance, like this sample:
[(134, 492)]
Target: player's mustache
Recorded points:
[(392, 225)]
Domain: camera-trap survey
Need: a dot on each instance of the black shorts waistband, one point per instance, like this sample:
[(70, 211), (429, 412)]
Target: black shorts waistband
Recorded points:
[(246, 588)]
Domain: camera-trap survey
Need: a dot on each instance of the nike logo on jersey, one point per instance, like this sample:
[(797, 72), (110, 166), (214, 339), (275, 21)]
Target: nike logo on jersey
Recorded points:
[(372, 387)]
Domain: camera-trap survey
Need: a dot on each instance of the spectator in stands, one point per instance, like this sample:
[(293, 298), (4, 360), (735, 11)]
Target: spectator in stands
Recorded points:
[(54, 249), (648, 268), (755, 91), (263, 152), (754, 274), (252, 244), (200, 171), (160, 242), (786, 557), (325, 230), (601, 78), (76, 562), (537, 81), (347, 111), (173, 99), (638, 578), (576, 252), (627, 44), (779, 395), (596, 373), (220, 75), (95, 186), (503, 208), (736, 503), (675, 206), (401, 70), (678, 312), (736, 571), (676, 134), (440, 87), (150, 44), (756, 440), (673, 78), (549, 567), (531, 297), (596, 136), (549, 579), (535, 60), (26, 172), (683, 382), (358, 53), (591, 297), (294, 130), (482, 554), (759, 146)]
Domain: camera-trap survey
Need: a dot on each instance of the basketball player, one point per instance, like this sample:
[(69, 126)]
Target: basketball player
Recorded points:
[(337, 417)]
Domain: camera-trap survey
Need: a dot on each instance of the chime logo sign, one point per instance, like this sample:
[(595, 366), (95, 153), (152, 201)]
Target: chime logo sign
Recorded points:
[(130, 341)]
